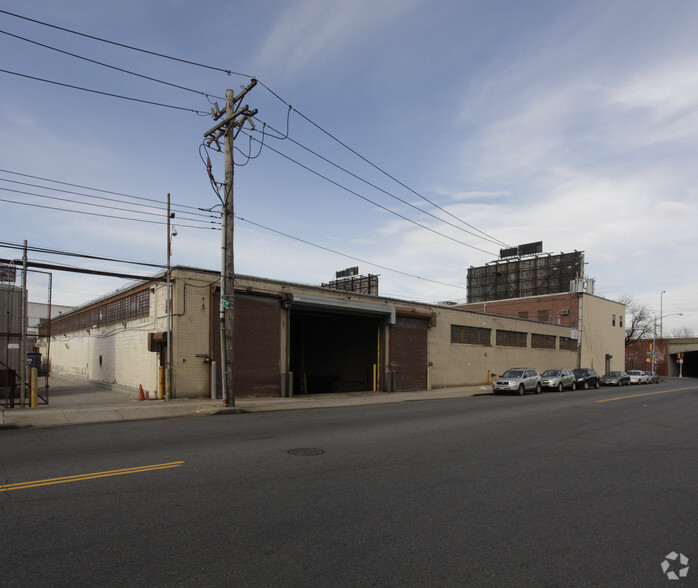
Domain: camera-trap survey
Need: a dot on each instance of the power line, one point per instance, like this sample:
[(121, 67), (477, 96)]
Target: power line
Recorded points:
[(96, 205), (372, 185), (46, 251), (94, 38), (67, 268), (344, 254), (100, 63), (150, 206), (14, 73), (94, 189), (229, 72), (386, 209), (138, 220), (317, 126)]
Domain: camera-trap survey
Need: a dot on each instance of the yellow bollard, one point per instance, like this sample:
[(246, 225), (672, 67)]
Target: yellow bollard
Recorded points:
[(161, 382), (34, 384)]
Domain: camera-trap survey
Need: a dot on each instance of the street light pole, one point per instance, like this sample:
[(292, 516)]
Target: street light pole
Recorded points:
[(661, 315), (654, 336)]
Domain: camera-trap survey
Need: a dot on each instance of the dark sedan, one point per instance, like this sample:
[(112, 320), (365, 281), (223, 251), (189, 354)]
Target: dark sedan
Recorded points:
[(615, 379), (586, 378)]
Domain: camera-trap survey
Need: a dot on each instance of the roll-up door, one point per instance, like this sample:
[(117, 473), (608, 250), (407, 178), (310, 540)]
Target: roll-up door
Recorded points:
[(257, 344), (408, 342)]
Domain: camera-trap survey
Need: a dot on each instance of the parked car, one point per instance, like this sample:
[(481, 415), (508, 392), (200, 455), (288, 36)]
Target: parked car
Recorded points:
[(518, 380), (638, 377), (558, 380), (586, 378), (652, 377), (615, 379)]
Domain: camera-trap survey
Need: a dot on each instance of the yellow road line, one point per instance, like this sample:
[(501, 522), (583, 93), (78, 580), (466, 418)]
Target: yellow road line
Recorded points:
[(82, 477), (646, 394)]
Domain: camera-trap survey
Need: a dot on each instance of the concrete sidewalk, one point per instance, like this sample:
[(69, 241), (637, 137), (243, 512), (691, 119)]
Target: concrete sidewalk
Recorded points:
[(75, 402)]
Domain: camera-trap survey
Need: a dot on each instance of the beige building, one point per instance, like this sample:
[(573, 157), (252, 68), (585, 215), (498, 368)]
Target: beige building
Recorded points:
[(300, 339), (597, 324)]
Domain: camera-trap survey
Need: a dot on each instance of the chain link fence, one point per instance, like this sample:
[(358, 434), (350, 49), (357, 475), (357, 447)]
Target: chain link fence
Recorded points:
[(20, 317)]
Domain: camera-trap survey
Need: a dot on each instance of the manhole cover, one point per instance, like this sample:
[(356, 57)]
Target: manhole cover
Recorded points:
[(306, 451)]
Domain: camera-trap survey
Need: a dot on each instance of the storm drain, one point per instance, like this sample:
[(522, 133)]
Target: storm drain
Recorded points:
[(306, 451)]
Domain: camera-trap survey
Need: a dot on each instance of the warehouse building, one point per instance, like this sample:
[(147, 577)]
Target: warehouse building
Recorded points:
[(292, 339)]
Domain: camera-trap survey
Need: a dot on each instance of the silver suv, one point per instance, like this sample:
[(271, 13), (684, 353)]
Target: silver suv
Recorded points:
[(519, 381)]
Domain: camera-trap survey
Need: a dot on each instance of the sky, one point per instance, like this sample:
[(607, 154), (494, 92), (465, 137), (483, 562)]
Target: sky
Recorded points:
[(410, 138)]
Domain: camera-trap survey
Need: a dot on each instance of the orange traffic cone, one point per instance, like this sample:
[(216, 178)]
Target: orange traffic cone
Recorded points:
[(141, 396)]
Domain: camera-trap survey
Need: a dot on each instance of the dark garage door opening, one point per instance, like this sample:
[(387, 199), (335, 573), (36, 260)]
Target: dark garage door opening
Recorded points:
[(333, 353)]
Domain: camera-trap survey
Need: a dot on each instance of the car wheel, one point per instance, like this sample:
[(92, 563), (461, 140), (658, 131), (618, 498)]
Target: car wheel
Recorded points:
[(597, 385), (574, 386), (560, 387), (538, 388), (521, 390), (586, 385)]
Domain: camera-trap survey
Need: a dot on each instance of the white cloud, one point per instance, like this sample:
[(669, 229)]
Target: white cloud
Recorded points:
[(310, 32)]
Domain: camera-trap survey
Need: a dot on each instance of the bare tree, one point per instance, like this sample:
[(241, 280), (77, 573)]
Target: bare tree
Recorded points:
[(683, 333), (639, 321)]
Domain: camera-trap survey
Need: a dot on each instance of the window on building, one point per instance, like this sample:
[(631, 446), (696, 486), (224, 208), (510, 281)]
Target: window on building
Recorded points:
[(543, 316), (568, 344), (470, 335), (130, 307), (523, 314), (620, 320), (613, 320), (539, 341), (512, 338)]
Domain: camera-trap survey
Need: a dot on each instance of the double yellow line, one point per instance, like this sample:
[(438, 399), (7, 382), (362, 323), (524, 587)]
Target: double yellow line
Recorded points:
[(83, 477)]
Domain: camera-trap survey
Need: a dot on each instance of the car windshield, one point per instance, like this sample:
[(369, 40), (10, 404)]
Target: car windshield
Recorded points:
[(579, 372), (513, 374), (551, 373), (613, 374), (634, 373)]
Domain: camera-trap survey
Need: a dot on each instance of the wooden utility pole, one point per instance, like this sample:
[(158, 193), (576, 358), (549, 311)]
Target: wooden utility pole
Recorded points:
[(235, 118)]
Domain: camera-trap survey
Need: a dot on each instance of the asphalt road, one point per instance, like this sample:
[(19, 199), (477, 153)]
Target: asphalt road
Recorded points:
[(584, 488)]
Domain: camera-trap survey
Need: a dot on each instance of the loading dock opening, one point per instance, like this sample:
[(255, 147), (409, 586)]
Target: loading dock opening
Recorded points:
[(332, 353)]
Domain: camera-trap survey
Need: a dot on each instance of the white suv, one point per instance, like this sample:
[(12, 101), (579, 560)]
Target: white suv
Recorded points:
[(519, 381)]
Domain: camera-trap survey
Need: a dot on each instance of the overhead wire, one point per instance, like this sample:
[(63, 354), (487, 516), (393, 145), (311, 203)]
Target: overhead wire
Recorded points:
[(110, 94), (344, 254), (486, 236), (372, 185), (104, 206), (174, 206), (47, 251), (123, 45), (489, 237), (139, 220), (357, 154), (150, 206), (100, 63), (376, 204)]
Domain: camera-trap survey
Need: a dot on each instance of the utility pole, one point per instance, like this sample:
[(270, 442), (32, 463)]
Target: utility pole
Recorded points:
[(168, 369), (235, 117)]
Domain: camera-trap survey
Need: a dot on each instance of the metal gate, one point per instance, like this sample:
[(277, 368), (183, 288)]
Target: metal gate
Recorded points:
[(25, 302)]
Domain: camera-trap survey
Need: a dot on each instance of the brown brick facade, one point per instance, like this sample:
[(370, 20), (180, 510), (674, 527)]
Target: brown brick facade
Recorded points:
[(558, 309)]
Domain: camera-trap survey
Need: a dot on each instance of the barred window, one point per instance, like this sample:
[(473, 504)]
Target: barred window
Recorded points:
[(512, 338), (543, 316), (523, 314), (568, 344), (539, 341), (470, 335), (133, 306)]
